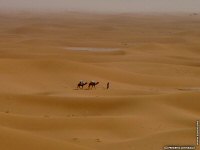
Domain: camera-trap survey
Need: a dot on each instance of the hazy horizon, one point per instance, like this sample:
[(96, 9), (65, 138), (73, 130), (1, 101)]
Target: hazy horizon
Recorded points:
[(101, 5)]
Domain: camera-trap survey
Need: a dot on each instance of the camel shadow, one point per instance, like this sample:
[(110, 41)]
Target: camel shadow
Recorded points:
[(79, 89)]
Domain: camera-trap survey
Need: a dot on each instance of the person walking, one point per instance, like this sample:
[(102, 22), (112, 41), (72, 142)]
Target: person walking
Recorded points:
[(108, 85)]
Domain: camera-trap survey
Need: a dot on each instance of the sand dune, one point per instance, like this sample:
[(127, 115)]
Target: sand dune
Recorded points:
[(153, 69)]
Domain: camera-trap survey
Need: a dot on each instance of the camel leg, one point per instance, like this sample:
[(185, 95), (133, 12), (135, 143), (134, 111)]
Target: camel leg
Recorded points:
[(89, 87)]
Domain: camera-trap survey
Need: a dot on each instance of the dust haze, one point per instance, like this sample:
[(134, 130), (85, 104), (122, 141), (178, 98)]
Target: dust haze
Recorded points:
[(101, 5)]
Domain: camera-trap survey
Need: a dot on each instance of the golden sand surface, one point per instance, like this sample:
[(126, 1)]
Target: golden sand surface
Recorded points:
[(152, 62)]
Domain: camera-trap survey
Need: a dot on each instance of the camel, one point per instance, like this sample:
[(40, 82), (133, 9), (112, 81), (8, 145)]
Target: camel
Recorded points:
[(81, 84), (92, 84)]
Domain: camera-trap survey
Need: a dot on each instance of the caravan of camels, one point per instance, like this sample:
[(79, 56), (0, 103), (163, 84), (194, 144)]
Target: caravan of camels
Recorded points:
[(91, 85)]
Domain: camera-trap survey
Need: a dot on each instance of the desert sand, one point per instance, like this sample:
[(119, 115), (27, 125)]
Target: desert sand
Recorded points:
[(152, 62)]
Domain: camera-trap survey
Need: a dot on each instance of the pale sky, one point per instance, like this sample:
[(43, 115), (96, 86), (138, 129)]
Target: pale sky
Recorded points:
[(102, 5)]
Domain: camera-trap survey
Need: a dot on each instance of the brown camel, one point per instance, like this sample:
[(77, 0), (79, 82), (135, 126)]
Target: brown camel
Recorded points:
[(92, 84), (81, 84)]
